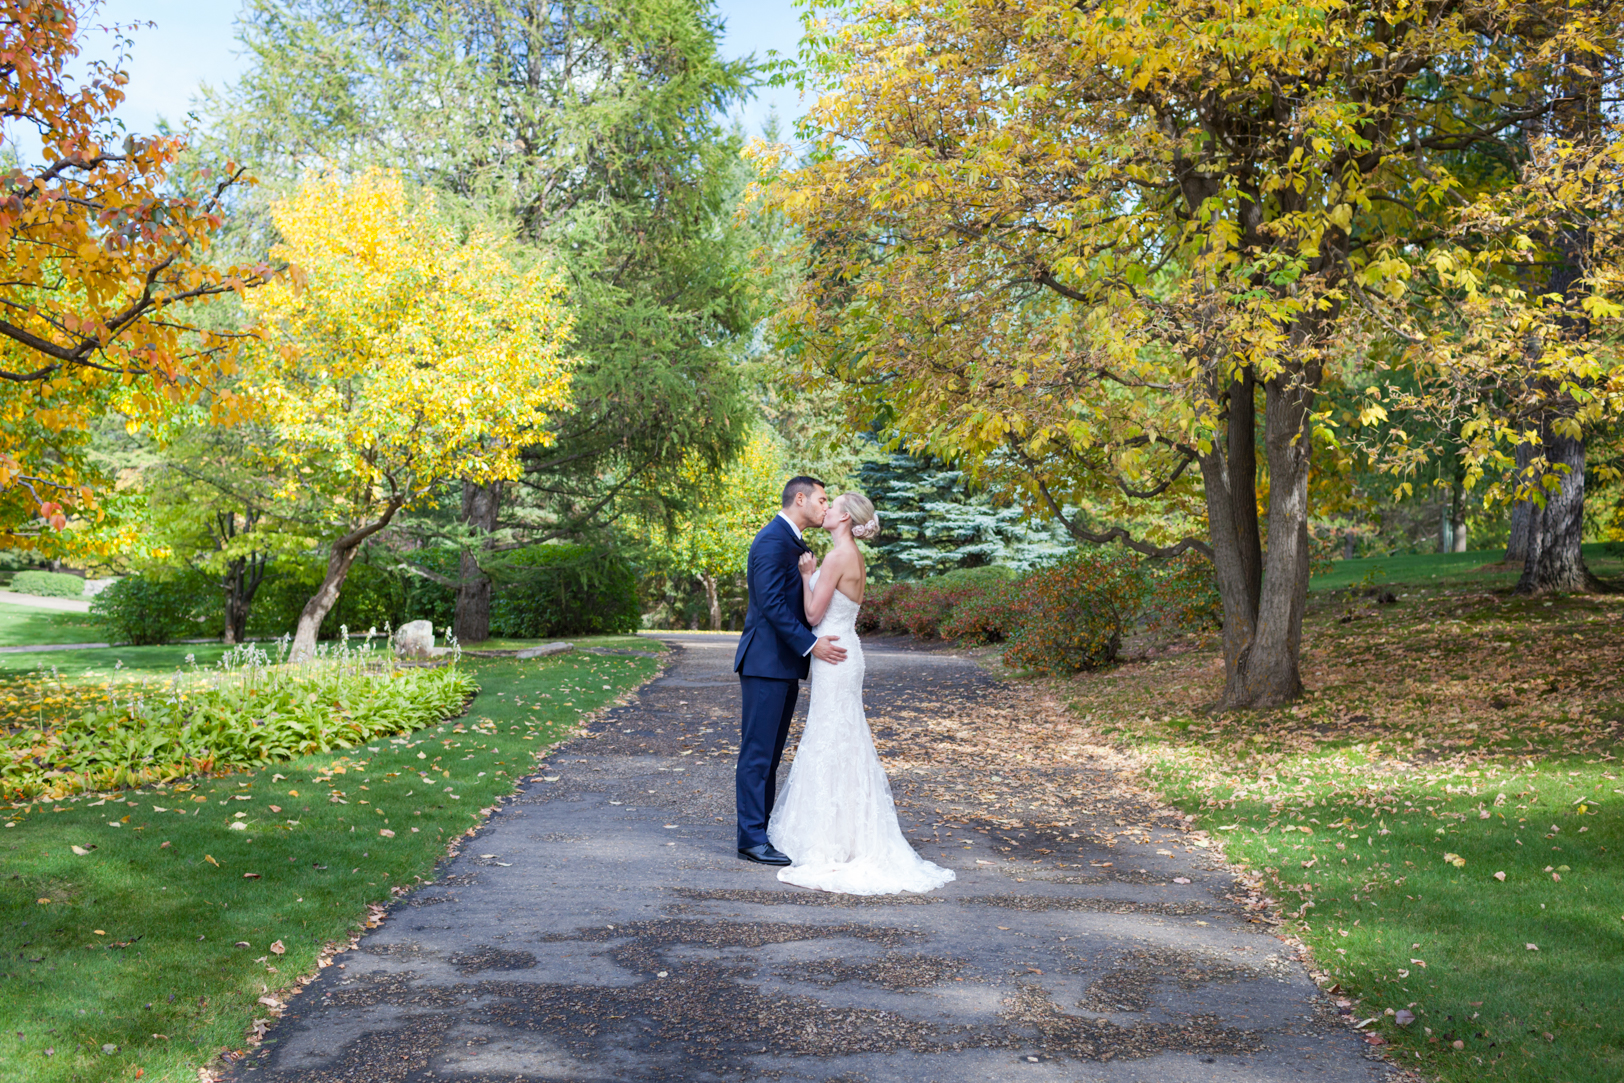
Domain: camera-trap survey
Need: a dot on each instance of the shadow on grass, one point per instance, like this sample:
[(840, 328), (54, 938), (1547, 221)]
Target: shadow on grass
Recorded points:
[(152, 948)]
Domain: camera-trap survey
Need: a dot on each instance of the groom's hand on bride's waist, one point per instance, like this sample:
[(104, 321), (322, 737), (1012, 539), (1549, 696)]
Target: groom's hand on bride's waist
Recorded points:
[(824, 650)]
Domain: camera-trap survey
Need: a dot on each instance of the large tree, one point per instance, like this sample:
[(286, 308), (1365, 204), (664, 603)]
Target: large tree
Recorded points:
[(1091, 249), (397, 358), (591, 132)]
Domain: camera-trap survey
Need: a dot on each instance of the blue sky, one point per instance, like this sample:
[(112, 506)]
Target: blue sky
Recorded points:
[(191, 42)]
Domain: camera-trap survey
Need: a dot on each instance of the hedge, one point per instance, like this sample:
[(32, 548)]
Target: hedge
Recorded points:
[(48, 584)]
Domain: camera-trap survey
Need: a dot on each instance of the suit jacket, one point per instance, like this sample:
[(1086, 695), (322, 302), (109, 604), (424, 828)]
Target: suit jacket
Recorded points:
[(776, 639)]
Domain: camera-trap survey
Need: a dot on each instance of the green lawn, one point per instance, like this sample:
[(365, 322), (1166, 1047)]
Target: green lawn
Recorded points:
[(24, 626), (159, 940), (1452, 736), (1481, 569)]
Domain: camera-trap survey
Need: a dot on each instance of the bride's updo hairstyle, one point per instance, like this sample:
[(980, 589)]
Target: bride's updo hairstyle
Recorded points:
[(864, 523)]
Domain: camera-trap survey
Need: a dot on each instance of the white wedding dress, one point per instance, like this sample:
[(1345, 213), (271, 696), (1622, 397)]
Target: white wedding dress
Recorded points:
[(836, 819)]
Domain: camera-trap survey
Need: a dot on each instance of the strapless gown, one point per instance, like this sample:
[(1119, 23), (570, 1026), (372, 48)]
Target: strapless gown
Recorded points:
[(836, 819)]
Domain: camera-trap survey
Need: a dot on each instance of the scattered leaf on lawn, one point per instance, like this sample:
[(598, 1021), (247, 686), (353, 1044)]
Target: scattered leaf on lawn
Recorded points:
[(211, 861), (80, 850), (250, 876), (277, 948), (1500, 876)]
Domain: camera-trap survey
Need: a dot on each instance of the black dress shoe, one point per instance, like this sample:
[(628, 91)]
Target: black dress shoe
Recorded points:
[(763, 855)]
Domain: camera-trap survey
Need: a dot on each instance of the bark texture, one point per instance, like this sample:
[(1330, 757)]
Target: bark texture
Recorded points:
[(480, 507), (1555, 563), (340, 556), (243, 575), (712, 601)]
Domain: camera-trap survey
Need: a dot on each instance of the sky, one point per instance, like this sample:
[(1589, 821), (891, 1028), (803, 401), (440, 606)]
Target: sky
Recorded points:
[(191, 42)]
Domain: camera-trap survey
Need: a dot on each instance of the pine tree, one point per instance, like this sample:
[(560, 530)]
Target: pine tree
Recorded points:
[(934, 520)]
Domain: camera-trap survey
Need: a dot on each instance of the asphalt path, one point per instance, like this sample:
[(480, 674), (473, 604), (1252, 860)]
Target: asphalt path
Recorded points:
[(600, 928)]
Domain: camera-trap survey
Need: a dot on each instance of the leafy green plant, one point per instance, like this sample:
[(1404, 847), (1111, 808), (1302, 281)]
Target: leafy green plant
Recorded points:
[(149, 609), (554, 590), (242, 714), (48, 584)]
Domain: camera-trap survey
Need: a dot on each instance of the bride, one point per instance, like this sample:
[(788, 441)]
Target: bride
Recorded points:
[(836, 820)]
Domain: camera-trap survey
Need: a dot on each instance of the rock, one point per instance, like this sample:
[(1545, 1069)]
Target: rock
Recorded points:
[(546, 650), (415, 639)]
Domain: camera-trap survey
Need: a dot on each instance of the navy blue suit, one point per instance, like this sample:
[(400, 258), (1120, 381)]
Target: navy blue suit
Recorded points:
[(772, 659)]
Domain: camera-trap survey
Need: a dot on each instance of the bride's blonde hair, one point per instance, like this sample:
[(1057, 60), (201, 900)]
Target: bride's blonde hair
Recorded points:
[(864, 523)]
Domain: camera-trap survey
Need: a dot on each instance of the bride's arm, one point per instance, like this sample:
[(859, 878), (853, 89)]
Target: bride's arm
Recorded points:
[(817, 601)]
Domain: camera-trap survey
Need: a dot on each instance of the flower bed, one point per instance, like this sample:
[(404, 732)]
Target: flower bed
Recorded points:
[(64, 737)]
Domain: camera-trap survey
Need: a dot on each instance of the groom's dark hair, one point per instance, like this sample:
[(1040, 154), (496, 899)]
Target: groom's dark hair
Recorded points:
[(800, 484)]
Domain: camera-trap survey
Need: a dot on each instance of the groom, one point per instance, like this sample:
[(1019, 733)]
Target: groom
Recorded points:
[(773, 657)]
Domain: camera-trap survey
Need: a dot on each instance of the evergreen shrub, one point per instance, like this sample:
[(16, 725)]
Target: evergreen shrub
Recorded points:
[(48, 584), (562, 590), (374, 596), (153, 608)]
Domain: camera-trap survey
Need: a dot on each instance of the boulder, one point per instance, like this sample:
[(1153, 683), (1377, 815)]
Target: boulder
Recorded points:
[(415, 639), (546, 650)]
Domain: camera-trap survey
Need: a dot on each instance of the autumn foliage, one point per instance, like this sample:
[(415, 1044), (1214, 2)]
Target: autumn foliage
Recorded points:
[(396, 358), (106, 248)]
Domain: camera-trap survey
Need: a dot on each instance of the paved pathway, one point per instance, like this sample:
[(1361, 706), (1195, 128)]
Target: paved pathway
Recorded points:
[(601, 929), (40, 601)]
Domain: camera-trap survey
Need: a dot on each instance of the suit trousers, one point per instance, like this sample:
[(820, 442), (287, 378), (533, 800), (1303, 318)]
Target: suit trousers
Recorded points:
[(769, 704)]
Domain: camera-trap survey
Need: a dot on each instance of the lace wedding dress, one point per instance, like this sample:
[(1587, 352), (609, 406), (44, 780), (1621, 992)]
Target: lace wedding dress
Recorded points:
[(836, 819)]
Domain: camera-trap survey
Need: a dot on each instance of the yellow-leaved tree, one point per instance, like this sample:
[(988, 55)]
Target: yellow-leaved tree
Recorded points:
[(711, 540), (396, 357)]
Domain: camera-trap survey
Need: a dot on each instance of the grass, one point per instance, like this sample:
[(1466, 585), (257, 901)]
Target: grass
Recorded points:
[(1454, 735), (24, 626), (1482, 568), (137, 948)]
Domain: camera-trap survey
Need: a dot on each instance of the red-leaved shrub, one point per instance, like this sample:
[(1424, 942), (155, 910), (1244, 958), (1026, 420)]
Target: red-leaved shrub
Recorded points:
[(1071, 616), (1067, 617)]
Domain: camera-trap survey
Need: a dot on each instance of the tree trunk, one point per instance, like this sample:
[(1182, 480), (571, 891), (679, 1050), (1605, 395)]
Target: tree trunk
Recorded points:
[(712, 601), (472, 622), (1457, 511), (237, 606), (1269, 674), (340, 557), (1348, 551), (1556, 528), (243, 575), (231, 582), (242, 579), (1229, 475), (1555, 562), (1521, 513)]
